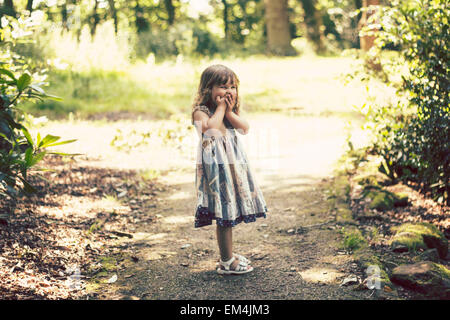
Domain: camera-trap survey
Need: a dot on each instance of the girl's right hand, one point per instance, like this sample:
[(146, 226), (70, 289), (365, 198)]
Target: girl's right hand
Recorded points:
[(221, 101)]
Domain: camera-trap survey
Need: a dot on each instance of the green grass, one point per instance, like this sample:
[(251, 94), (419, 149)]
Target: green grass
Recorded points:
[(353, 239), (311, 85)]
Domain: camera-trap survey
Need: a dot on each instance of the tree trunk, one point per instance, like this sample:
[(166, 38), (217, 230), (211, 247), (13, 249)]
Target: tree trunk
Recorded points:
[(113, 10), (225, 18), (29, 6), (64, 16), (313, 21), (170, 11), (355, 24), (277, 22), (7, 9), (94, 19), (142, 24), (366, 42)]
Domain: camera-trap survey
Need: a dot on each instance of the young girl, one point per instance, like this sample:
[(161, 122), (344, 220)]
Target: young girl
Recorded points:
[(226, 187)]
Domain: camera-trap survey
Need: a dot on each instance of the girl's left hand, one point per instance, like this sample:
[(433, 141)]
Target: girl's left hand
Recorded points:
[(230, 102)]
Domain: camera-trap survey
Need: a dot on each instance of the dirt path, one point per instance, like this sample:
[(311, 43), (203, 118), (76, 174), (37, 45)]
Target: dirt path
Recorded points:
[(292, 158)]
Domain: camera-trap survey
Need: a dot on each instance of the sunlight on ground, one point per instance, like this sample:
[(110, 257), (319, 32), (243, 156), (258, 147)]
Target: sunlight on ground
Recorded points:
[(324, 275), (179, 196), (178, 219), (148, 236), (157, 255), (83, 207), (277, 146)]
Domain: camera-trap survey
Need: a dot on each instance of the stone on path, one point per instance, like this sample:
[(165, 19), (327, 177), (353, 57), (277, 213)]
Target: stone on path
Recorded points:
[(426, 277)]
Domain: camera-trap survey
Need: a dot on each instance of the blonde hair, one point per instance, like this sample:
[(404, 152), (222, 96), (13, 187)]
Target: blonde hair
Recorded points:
[(214, 75)]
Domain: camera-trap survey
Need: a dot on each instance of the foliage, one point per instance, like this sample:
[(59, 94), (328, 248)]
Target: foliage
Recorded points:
[(340, 21), (353, 239), (168, 28), (413, 134), (421, 28), (18, 150)]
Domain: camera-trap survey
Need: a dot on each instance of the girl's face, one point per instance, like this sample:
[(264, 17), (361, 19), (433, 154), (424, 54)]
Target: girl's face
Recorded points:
[(224, 89)]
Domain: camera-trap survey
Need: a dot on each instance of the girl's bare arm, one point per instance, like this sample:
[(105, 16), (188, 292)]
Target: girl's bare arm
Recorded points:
[(215, 121), (217, 118), (238, 122)]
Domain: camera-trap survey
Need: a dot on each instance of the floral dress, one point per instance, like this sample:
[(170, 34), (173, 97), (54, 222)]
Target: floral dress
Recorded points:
[(225, 183)]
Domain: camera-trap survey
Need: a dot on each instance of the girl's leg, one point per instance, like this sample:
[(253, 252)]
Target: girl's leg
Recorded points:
[(225, 241)]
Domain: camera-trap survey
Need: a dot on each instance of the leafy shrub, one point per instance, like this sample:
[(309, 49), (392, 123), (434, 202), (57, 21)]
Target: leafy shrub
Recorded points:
[(18, 151), (416, 145)]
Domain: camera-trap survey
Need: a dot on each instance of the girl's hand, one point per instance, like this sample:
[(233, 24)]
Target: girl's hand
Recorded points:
[(221, 101), (230, 101)]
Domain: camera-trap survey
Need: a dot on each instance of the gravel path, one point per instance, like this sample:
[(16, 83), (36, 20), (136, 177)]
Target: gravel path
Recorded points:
[(292, 157)]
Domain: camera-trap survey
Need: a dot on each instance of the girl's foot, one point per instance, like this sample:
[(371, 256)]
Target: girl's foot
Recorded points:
[(233, 266), (239, 257)]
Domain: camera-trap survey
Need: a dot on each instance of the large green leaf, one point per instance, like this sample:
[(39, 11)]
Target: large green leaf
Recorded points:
[(8, 73), (66, 154), (48, 139), (38, 158), (29, 156), (62, 142), (27, 135), (23, 82), (37, 88)]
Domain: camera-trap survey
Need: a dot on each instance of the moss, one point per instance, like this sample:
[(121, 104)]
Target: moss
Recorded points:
[(353, 239), (420, 235), (109, 263), (92, 286), (419, 228), (411, 240), (442, 270), (343, 213), (383, 201), (367, 260), (373, 179), (342, 187), (400, 199)]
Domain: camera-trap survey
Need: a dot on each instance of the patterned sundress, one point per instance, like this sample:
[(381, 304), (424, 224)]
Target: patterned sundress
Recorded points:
[(226, 187)]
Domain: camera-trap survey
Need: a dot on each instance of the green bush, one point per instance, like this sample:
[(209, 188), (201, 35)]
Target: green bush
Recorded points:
[(18, 150), (416, 145)]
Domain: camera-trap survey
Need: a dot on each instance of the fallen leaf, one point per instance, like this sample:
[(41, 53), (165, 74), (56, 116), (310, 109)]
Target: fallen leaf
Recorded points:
[(112, 279)]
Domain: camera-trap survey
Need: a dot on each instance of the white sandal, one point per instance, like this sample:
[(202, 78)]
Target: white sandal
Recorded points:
[(240, 258), (241, 268)]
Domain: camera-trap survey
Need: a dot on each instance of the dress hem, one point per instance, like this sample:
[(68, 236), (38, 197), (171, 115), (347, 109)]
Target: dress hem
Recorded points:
[(204, 217)]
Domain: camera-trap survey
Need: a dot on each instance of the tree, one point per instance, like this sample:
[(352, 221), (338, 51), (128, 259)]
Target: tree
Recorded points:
[(170, 11), (7, 9), (277, 23), (141, 22), (94, 19), (367, 40), (29, 6), (113, 11), (313, 21), (225, 18)]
